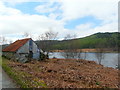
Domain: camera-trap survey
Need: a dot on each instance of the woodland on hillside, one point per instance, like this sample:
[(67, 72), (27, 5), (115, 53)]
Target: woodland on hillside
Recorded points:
[(104, 40)]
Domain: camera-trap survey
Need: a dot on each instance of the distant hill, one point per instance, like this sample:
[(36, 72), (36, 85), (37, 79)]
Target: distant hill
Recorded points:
[(107, 40), (4, 46)]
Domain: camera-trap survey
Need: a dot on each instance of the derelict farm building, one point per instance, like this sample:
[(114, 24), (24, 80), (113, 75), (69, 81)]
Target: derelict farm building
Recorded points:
[(21, 50)]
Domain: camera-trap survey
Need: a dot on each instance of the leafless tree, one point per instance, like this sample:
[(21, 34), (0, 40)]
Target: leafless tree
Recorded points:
[(118, 66), (27, 34), (66, 54), (100, 52), (85, 55), (79, 54), (10, 41), (46, 41), (71, 49), (3, 40)]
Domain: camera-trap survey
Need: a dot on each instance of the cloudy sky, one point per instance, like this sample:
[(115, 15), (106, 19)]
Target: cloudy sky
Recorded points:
[(81, 17)]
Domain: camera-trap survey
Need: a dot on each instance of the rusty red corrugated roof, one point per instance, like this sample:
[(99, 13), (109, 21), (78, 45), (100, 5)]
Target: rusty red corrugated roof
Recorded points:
[(16, 45)]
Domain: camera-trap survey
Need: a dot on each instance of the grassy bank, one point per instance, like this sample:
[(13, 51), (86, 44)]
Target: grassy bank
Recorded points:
[(61, 73), (22, 78)]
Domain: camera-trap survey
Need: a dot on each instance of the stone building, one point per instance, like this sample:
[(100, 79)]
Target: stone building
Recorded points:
[(22, 50)]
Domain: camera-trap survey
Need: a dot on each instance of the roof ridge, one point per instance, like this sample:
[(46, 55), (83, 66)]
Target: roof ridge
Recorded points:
[(15, 45), (24, 38)]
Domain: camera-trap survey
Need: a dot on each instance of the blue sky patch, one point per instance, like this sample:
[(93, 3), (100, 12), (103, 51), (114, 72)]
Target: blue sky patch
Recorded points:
[(26, 7), (88, 19), (29, 7)]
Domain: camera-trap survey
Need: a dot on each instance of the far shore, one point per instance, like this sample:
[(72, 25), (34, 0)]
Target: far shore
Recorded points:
[(89, 50)]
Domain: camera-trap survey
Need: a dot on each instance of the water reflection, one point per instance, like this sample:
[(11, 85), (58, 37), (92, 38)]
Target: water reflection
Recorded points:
[(110, 59)]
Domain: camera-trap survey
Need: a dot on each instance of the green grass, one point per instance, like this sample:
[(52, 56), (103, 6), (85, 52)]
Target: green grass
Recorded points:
[(11, 73), (0, 60), (107, 40), (21, 78)]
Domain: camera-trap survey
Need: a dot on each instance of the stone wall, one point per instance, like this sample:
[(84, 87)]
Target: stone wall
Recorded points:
[(16, 56), (8, 55)]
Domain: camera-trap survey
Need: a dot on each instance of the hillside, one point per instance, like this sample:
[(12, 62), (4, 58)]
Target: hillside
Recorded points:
[(106, 40)]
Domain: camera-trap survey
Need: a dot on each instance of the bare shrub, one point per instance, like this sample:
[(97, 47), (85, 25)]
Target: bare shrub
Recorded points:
[(71, 49), (100, 52), (46, 41)]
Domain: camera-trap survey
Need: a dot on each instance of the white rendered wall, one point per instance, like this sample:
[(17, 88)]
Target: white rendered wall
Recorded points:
[(24, 48)]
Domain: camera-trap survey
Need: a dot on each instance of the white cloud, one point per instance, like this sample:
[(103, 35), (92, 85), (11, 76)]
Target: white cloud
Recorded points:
[(105, 10), (84, 26), (87, 29), (110, 27), (101, 9), (46, 7), (7, 10), (13, 21), (27, 23)]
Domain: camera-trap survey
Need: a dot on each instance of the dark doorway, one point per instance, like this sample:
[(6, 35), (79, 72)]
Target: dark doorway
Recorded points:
[(30, 54)]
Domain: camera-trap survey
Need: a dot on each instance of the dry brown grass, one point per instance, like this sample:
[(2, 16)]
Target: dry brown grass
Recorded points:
[(61, 73)]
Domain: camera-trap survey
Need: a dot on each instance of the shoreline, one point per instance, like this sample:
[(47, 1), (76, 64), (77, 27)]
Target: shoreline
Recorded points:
[(88, 51)]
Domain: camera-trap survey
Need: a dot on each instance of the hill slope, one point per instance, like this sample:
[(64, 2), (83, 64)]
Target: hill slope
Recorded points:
[(107, 40)]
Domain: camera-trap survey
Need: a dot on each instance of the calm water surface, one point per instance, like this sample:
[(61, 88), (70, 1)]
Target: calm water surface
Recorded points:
[(110, 59)]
